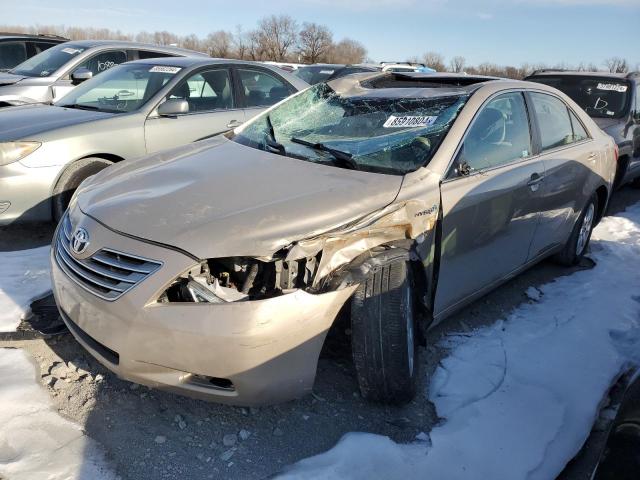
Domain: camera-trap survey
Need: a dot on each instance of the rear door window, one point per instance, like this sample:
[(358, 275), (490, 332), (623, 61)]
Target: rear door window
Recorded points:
[(103, 61), (262, 89), (12, 54), (553, 120), (579, 132)]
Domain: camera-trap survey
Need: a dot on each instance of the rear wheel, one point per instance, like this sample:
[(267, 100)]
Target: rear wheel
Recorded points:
[(383, 335), (576, 246), (71, 179)]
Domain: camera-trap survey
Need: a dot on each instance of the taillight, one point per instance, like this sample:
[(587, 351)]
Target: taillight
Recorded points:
[(616, 151)]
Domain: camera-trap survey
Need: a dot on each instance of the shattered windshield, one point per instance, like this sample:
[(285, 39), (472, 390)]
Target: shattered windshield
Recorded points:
[(121, 89), (599, 97), (393, 135)]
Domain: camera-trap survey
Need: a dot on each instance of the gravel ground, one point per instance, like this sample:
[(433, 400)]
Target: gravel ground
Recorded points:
[(152, 434)]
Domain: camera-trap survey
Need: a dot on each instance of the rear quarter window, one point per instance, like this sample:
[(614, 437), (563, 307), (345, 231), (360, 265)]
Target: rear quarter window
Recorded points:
[(553, 119)]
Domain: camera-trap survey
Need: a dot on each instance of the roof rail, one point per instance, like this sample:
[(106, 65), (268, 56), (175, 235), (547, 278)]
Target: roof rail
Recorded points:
[(545, 70), (48, 35), (418, 64)]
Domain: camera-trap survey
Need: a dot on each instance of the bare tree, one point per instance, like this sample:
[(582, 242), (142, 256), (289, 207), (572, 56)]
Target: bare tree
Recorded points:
[(219, 44), (347, 51), (314, 42), (276, 36), (616, 65), (144, 37), (191, 42), (457, 64), (434, 60), (165, 38), (240, 43)]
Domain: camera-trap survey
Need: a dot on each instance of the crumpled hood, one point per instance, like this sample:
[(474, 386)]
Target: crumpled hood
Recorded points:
[(27, 121), (9, 78), (219, 198)]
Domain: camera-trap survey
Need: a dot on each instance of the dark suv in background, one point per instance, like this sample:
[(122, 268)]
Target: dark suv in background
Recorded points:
[(611, 99), (15, 48)]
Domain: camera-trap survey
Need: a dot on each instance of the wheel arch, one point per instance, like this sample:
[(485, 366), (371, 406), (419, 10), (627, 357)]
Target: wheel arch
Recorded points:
[(362, 266), (104, 156)]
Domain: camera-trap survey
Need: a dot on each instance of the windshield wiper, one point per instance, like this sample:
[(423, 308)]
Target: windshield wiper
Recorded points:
[(80, 106), (341, 158), (273, 143)]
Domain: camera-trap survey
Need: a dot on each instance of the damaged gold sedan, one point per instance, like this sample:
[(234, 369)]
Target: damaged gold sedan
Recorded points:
[(216, 269)]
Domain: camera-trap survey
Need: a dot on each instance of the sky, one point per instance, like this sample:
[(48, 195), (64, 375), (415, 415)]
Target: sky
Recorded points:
[(505, 32)]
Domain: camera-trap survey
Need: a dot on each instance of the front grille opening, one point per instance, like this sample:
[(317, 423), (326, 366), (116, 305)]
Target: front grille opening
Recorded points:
[(108, 274), (210, 382)]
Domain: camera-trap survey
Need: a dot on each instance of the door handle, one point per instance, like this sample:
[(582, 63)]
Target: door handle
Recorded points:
[(234, 124), (534, 181)]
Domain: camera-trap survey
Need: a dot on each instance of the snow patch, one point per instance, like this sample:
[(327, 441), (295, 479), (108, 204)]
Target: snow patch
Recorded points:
[(519, 398), (24, 277), (35, 441)]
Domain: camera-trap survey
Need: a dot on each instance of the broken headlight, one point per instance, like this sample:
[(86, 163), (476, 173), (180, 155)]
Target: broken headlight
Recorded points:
[(232, 279)]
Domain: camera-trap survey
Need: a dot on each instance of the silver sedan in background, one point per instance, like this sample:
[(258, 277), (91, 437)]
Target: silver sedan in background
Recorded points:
[(137, 108), (55, 72)]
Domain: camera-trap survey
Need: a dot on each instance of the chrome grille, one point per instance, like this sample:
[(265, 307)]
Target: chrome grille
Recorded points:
[(108, 273)]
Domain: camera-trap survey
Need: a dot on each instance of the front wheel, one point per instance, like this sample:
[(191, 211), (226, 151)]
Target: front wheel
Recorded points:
[(383, 335), (576, 246)]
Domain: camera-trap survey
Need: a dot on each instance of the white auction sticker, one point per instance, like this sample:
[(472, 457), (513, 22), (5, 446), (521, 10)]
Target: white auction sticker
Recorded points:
[(615, 87), (164, 69), (409, 121), (327, 72), (71, 51)]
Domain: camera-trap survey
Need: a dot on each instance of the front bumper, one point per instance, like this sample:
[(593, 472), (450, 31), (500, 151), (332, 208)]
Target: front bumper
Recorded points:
[(25, 193), (267, 349)]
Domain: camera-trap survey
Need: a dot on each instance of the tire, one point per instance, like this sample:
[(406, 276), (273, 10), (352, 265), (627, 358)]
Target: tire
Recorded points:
[(71, 179), (578, 242), (383, 335)]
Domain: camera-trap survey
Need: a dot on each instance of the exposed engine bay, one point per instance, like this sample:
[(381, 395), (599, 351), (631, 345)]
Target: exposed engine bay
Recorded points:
[(242, 278)]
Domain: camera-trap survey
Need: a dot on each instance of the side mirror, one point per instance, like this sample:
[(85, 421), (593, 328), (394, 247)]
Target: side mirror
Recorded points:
[(172, 107), (80, 75)]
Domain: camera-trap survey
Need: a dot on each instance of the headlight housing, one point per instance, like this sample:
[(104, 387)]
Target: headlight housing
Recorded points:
[(11, 152)]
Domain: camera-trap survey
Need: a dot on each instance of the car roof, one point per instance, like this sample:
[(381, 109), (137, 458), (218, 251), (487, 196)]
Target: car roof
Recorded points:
[(127, 44), (203, 61), (576, 73), (32, 36), (324, 65), (185, 62), (410, 84)]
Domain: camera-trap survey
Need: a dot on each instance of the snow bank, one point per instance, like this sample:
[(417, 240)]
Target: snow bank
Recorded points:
[(35, 441), (24, 277), (519, 397)]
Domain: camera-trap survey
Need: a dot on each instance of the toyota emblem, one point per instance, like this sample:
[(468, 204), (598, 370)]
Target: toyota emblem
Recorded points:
[(79, 241)]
